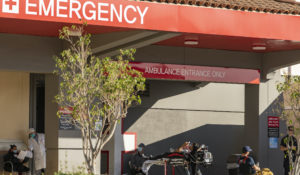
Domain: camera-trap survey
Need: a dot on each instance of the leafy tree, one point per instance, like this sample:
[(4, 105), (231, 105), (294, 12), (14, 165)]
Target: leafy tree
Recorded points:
[(290, 111), (99, 90)]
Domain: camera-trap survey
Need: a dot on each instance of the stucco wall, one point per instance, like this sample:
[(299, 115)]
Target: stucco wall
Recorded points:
[(213, 110), (14, 105), (28, 53), (70, 154), (51, 123), (196, 56), (176, 112), (269, 101)]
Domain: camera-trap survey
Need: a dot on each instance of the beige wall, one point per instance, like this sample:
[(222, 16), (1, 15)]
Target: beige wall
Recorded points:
[(177, 111), (14, 105), (51, 123)]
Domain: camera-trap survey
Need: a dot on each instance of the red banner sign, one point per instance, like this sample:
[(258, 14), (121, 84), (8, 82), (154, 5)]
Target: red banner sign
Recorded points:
[(149, 16), (197, 73), (273, 122), (105, 12)]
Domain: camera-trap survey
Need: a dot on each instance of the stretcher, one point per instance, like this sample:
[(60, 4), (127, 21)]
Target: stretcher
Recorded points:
[(184, 156)]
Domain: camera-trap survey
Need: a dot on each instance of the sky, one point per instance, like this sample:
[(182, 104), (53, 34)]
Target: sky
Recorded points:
[(295, 70)]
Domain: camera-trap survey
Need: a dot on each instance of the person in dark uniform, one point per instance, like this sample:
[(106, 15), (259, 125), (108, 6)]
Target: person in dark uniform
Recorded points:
[(193, 165), (289, 143), (137, 160), (17, 164), (246, 163)]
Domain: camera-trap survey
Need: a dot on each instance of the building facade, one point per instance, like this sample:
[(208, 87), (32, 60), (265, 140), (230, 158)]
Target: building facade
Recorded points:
[(259, 36)]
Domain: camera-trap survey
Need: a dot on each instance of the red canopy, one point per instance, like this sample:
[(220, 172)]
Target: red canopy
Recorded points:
[(45, 17)]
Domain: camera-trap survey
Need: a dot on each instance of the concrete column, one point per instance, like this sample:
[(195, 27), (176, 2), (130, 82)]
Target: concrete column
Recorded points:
[(274, 60), (51, 123), (270, 101), (252, 117)]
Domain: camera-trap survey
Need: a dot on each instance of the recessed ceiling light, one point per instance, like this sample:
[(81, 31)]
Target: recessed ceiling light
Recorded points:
[(258, 48), (191, 42)]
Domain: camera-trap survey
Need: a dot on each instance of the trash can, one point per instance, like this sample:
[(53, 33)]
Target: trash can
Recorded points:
[(232, 164)]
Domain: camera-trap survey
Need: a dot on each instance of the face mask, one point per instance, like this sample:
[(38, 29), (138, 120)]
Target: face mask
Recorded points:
[(140, 149), (15, 151), (32, 135)]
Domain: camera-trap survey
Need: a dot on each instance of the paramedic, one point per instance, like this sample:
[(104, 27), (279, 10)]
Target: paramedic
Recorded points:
[(137, 160), (36, 144)]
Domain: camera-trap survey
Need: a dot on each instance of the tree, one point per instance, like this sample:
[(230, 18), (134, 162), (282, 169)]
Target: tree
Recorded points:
[(99, 90), (290, 111)]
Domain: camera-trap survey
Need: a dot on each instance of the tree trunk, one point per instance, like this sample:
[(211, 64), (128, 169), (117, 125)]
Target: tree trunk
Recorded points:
[(296, 164), (100, 162), (89, 163), (89, 152), (296, 167), (88, 155)]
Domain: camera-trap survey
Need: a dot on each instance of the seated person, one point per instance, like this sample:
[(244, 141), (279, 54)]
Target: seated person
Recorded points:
[(11, 156)]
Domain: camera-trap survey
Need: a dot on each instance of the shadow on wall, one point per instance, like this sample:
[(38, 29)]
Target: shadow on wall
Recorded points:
[(158, 90), (222, 140), (224, 135), (157, 93), (271, 158)]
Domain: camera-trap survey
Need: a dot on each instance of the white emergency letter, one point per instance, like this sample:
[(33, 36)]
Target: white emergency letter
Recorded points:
[(76, 10), (44, 10), (100, 11), (28, 4), (142, 14), (59, 7), (93, 12), (113, 11), (126, 12)]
